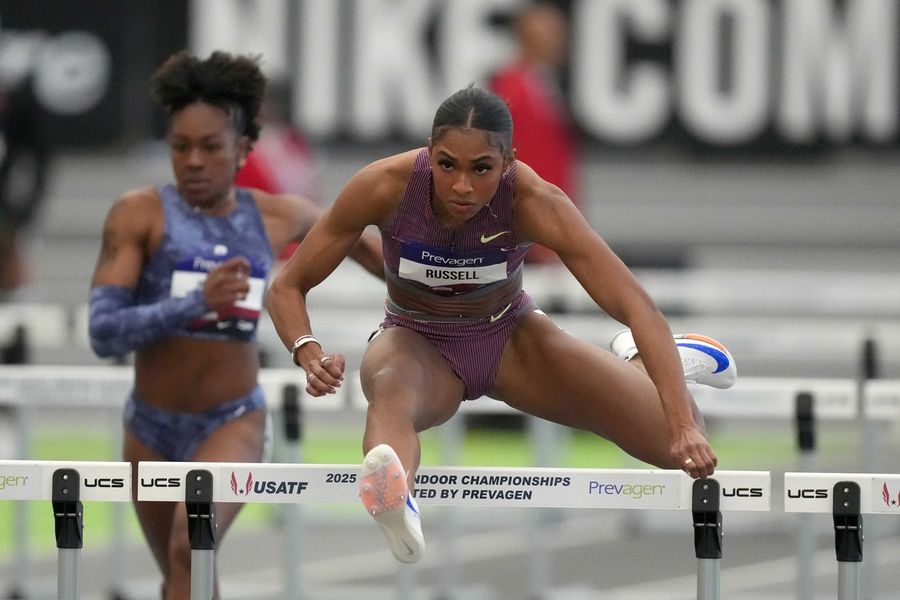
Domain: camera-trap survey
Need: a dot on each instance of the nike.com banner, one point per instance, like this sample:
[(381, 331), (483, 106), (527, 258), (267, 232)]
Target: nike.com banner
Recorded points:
[(724, 72)]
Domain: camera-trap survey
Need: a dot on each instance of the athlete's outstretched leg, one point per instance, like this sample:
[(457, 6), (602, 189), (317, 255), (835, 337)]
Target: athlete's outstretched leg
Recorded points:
[(410, 388), (553, 375)]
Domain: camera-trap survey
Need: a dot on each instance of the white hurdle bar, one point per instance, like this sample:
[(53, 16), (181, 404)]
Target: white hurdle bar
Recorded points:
[(847, 496), (66, 485), (203, 484)]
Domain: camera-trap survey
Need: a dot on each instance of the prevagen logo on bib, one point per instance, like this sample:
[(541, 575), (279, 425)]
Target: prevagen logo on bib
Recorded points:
[(437, 267), (238, 320)]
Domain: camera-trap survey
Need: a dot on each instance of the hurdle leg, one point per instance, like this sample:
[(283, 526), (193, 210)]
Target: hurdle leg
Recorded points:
[(848, 538), (198, 485), (544, 443), (451, 434), (805, 423), (707, 537), (67, 515), (21, 424), (292, 432), (119, 558), (873, 443)]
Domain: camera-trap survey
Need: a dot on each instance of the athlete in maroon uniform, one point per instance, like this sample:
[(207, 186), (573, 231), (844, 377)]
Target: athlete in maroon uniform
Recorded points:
[(456, 219)]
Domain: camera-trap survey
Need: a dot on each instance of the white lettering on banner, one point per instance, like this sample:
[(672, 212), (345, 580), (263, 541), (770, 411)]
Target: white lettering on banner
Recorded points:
[(836, 77), (71, 71), (366, 67), (256, 28), (484, 49), (613, 100), (316, 96), (391, 75), (733, 113), (451, 260)]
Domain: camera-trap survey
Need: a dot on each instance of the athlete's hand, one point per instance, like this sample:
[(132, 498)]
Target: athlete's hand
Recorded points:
[(693, 454), (227, 283), (324, 374)]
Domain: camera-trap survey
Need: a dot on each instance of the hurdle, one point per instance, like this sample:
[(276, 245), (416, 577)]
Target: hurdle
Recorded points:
[(27, 389), (458, 486), (66, 485)]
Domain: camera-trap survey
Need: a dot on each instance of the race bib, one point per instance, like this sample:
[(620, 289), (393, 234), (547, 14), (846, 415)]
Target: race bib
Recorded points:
[(439, 268), (238, 319)]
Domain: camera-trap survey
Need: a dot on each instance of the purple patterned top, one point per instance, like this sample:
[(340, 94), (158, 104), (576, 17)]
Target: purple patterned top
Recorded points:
[(426, 257)]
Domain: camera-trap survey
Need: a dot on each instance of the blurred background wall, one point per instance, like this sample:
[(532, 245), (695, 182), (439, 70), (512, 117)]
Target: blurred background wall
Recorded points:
[(750, 133)]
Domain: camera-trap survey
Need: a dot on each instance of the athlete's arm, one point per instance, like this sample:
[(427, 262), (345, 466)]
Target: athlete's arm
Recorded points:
[(367, 199), (545, 215)]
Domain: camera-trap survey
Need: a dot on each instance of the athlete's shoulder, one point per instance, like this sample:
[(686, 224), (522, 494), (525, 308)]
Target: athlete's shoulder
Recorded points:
[(135, 213), (386, 178), (529, 184), (397, 166), (137, 203), (138, 197)]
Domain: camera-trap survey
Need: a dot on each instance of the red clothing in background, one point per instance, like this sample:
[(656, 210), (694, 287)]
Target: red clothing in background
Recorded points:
[(543, 135)]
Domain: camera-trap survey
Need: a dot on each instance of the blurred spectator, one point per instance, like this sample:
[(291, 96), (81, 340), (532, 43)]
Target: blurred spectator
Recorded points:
[(281, 161), (544, 136), (23, 170)]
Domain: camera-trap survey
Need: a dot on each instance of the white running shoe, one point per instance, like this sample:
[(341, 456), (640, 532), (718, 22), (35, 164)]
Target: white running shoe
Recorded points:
[(384, 493), (705, 360)]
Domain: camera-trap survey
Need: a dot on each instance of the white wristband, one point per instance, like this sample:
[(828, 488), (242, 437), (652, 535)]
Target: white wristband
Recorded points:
[(299, 343)]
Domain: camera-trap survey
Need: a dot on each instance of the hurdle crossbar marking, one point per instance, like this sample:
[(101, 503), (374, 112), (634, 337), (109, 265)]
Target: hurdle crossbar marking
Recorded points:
[(813, 492), (33, 480), (496, 486)]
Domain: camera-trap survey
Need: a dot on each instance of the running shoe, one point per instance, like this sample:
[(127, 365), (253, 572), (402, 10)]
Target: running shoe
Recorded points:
[(705, 360), (384, 493)]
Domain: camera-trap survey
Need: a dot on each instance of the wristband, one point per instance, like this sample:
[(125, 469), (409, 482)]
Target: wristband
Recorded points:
[(299, 343)]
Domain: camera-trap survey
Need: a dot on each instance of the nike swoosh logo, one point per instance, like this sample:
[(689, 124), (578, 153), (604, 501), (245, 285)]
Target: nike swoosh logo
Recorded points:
[(501, 313), (717, 355), (487, 238)]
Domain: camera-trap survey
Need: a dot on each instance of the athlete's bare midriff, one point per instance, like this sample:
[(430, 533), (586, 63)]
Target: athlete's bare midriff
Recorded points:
[(461, 305), (190, 375)]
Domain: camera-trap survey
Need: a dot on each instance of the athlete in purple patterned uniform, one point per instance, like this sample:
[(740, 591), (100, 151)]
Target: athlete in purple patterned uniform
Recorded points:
[(456, 219), (180, 280)]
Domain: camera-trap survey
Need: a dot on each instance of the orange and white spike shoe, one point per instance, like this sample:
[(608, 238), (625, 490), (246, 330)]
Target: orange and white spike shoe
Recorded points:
[(385, 494), (705, 361)]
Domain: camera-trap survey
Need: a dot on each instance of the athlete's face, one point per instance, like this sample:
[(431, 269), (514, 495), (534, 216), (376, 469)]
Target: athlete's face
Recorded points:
[(206, 153), (467, 170)]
